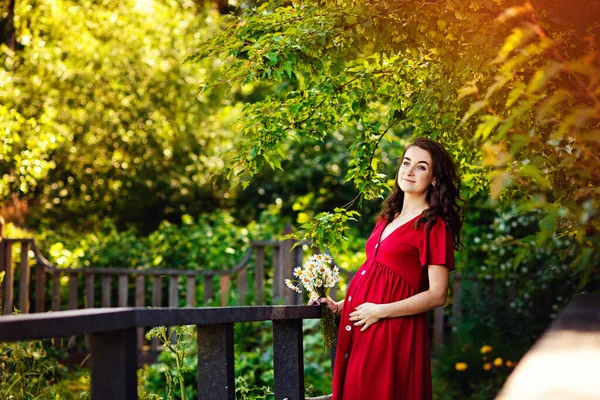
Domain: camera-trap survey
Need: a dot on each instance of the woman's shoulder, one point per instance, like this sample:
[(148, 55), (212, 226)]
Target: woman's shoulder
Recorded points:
[(436, 223), (439, 219)]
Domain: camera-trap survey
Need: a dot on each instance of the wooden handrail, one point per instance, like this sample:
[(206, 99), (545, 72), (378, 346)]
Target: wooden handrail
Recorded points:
[(97, 320), (139, 271), (564, 363), (112, 335)]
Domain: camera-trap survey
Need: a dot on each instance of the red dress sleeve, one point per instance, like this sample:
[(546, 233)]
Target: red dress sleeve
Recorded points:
[(437, 246)]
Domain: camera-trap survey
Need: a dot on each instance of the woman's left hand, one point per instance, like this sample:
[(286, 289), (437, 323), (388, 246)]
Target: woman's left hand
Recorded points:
[(366, 315)]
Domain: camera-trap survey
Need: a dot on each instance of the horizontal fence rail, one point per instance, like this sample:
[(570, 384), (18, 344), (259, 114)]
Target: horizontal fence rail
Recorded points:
[(112, 334)]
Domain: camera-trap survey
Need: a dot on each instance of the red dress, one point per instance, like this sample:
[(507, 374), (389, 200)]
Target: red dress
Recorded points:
[(390, 360)]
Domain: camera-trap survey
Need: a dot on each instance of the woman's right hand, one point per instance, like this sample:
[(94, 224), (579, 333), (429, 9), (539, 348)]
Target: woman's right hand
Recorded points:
[(334, 307)]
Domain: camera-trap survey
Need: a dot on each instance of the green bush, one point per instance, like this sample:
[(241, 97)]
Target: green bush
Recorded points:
[(212, 241), (33, 370)]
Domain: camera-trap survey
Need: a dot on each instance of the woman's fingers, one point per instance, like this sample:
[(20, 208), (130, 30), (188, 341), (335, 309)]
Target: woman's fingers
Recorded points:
[(361, 320), (319, 301), (331, 304)]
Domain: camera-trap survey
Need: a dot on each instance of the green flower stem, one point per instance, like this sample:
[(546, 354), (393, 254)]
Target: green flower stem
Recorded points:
[(327, 326)]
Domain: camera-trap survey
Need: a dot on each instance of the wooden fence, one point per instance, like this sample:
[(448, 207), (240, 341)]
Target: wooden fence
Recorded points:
[(282, 260), (40, 286)]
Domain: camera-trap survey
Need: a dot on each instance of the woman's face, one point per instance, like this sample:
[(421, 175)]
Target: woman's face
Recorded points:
[(416, 171)]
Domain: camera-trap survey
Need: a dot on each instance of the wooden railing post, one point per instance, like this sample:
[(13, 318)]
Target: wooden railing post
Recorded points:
[(156, 291), (25, 278), (190, 292), (242, 286), (40, 288), (259, 274), (73, 281), (208, 289), (73, 278), (287, 266), (224, 286), (173, 300), (288, 360), (114, 365), (89, 289), (216, 378), (156, 302), (8, 278), (174, 291), (55, 290), (140, 285), (123, 282), (278, 283), (106, 289)]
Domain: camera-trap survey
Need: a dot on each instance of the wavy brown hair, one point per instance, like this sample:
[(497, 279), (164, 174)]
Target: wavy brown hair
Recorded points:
[(443, 198)]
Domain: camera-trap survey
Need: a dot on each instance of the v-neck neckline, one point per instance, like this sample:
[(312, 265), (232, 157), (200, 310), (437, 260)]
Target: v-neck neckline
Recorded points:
[(381, 240)]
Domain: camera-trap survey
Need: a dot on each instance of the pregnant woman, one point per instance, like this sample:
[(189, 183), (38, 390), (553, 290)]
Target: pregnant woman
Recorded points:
[(383, 341)]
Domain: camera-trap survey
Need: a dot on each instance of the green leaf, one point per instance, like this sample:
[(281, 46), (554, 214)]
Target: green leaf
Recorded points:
[(548, 224), (542, 76), (473, 109), (518, 36), (520, 255), (534, 173), (515, 94), (467, 90), (485, 128), (288, 68)]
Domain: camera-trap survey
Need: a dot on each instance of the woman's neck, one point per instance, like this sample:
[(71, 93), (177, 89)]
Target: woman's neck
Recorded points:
[(414, 204)]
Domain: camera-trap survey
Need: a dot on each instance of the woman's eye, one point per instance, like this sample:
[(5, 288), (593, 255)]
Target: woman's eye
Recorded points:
[(422, 168), (405, 163)]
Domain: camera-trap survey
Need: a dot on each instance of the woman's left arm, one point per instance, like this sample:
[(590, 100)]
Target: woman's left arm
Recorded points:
[(367, 314)]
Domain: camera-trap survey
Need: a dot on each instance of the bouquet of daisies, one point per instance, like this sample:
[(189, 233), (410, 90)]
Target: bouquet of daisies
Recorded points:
[(316, 276)]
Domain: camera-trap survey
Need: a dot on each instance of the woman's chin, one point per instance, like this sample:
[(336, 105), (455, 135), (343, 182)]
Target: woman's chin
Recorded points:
[(411, 190), (407, 187)]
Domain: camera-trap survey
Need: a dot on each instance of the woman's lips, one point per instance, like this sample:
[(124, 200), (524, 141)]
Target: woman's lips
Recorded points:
[(408, 180)]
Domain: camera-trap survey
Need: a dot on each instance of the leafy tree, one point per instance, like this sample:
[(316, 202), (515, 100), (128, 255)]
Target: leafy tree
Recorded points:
[(375, 70), (99, 116), (539, 125)]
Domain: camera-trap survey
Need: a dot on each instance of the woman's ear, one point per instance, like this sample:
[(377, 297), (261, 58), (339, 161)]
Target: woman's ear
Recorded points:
[(434, 182)]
